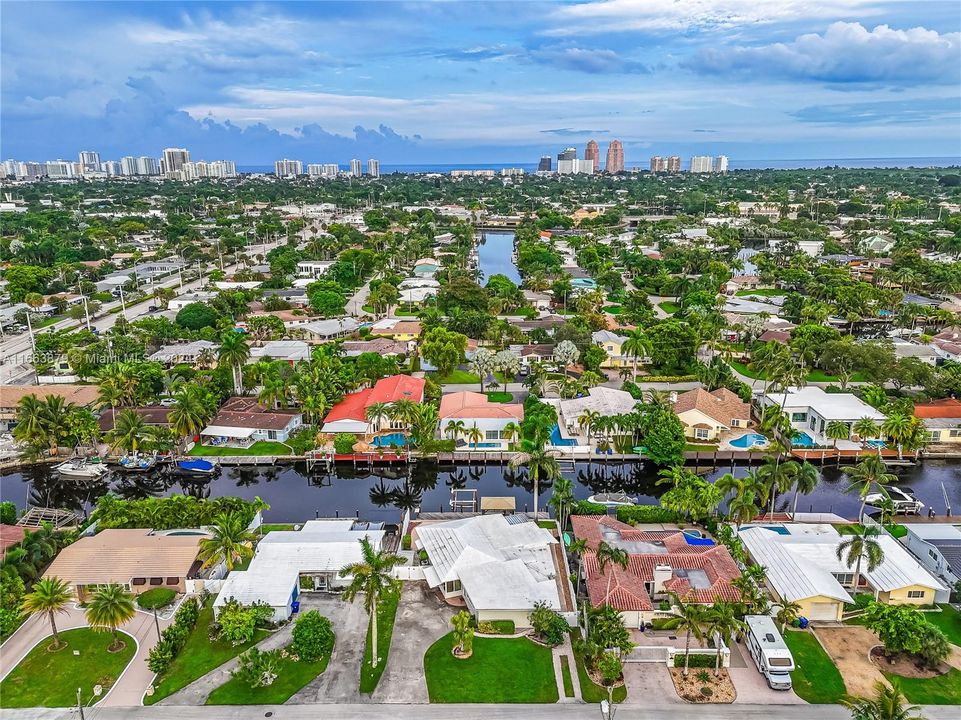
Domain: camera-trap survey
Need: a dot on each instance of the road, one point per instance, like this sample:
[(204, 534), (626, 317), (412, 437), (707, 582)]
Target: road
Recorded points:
[(463, 712)]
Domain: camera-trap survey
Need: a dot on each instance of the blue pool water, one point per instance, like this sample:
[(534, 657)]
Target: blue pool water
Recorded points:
[(397, 439), (556, 438), (749, 440), (876, 444), (802, 439), (779, 529), (425, 269), (478, 446)]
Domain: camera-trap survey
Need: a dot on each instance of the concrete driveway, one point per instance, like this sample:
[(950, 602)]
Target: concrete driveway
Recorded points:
[(751, 685), (649, 683), (421, 620), (340, 682)]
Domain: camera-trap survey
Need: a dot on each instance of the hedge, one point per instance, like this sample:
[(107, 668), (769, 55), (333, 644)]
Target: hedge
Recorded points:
[(583, 507), (697, 661), (635, 514), (174, 637), (156, 598), (666, 378)]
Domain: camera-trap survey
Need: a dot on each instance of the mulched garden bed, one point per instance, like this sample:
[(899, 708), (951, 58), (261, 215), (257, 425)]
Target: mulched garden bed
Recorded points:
[(905, 665), (696, 690)]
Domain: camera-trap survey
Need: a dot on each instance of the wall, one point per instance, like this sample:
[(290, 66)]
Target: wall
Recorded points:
[(806, 604), (900, 596), (520, 617)]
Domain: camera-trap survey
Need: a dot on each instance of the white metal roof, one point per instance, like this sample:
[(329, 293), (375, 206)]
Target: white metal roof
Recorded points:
[(272, 585), (607, 401), (830, 406), (224, 431)]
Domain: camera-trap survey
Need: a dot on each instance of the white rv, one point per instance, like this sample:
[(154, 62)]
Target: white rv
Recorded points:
[(770, 652)]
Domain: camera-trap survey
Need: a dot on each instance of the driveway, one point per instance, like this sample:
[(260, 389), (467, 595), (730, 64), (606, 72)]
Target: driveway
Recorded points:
[(421, 620), (849, 646), (649, 683), (751, 685), (340, 682)]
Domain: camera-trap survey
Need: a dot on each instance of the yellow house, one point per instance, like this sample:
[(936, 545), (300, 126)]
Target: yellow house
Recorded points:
[(611, 344), (942, 420), (705, 415), (402, 331)]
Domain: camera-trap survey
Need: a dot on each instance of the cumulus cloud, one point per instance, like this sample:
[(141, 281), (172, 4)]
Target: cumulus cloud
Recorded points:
[(845, 53)]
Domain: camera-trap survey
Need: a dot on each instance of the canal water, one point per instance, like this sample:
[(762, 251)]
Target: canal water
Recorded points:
[(383, 494), (495, 252)]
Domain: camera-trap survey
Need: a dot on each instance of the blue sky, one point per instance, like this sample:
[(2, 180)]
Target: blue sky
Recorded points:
[(436, 82)]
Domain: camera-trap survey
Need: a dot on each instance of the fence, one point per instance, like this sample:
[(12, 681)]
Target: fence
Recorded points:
[(409, 572), (666, 654)]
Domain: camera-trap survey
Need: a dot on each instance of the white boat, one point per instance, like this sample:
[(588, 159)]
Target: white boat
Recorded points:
[(902, 498), (80, 469), (137, 463), (611, 499)]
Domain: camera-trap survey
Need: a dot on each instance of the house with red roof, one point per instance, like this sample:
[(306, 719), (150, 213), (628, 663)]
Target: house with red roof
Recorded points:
[(350, 414), (660, 562), (942, 420), (460, 412)]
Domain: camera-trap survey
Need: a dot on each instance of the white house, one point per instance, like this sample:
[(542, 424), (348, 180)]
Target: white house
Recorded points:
[(242, 421), (475, 410), (291, 351), (313, 269), (183, 352), (811, 409), (500, 565), (938, 547), (317, 552)]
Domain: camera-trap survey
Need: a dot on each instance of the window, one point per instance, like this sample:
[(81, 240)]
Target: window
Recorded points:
[(932, 554), (452, 586), (812, 423), (916, 593), (844, 578), (934, 435), (701, 433), (271, 434), (492, 435), (799, 417), (954, 433), (735, 422)]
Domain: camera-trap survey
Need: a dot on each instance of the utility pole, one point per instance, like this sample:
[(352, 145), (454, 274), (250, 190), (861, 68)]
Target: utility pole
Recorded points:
[(156, 623), (80, 705)]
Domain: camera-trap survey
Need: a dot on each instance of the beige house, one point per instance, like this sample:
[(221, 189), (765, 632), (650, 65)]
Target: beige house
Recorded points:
[(705, 415)]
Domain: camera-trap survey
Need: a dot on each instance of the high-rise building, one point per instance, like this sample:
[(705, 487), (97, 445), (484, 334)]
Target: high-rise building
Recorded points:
[(111, 167), (593, 153), (702, 164), (30, 170), (60, 169), (615, 157), (325, 170), (10, 168), (674, 164), (512, 172), (90, 162), (721, 164), (545, 164), (147, 165), (128, 165), (355, 168), (288, 168), (568, 154), (575, 167), (373, 168), (173, 161), (658, 164)]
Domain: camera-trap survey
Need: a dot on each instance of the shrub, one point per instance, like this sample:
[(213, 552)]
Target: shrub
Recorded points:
[(582, 507), (313, 636), (405, 542), (237, 622), (548, 624), (344, 443), (496, 627), (258, 669), (610, 667), (703, 676), (8, 513), (696, 661), (637, 514), (155, 599), (608, 629), (166, 513), (175, 636)]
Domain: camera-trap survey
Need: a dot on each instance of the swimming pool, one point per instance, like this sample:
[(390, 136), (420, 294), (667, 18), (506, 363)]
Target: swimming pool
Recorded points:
[(749, 440), (876, 444), (479, 446), (802, 439), (559, 441), (397, 439), (779, 529)]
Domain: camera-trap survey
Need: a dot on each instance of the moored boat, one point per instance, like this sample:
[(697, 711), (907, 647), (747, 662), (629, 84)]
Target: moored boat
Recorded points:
[(80, 469), (611, 499), (197, 466)]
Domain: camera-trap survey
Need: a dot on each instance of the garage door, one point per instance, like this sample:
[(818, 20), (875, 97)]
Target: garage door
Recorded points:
[(824, 611)]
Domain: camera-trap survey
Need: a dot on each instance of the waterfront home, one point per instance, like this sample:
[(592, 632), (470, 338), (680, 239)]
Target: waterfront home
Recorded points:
[(242, 421), (426, 268), (184, 353), (288, 562), (474, 410), (397, 329), (498, 565), (313, 269), (705, 415), (153, 415), (603, 400), (803, 567), (938, 547), (350, 414), (811, 409), (11, 395), (611, 343), (659, 562), (743, 282), (137, 559), (942, 420)]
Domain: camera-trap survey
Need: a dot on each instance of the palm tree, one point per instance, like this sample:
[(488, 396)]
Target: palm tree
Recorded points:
[(635, 346), (110, 607), (866, 428), (579, 548), (234, 351), (887, 704), (56, 414), (30, 427), (837, 430), (587, 421), (454, 428), (511, 432), (722, 621), (776, 478), (229, 543), (377, 413), (690, 618), (373, 577), (905, 430), (743, 507), (273, 394), (561, 498), (191, 411), (610, 555), (788, 612), (862, 545), (129, 431), (49, 596), (805, 481), (863, 476), (404, 411), (540, 463), (474, 435)]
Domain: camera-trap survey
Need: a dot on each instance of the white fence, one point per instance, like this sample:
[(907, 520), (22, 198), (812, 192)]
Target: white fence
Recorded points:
[(409, 572), (666, 655)]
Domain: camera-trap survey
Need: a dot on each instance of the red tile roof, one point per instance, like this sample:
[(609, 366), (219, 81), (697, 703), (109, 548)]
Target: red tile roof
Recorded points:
[(947, 408), (352, 407), (10, 535), (470, 405), (397, 387)]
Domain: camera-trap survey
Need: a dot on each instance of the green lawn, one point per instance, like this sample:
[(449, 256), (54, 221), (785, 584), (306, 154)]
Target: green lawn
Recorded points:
[(761, 292), (745, 370), (51, 679), (816, 678), (613, 309), (501, 670), (691, 447), (456, 377), (291, 677), (590, 691), (669, 307), (199, 656), (566, 673), (500, 397), (261, 447), (821, 376), (386, 612), (949, 620), (942, 690), (273, 527)]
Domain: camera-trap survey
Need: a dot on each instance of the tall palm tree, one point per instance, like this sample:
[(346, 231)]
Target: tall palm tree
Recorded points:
[(610, 555), (861, 546), (191, 411), (49, 597), (511, 432), (30, 427), (561, 498), (837, 430), (56, 414), (578, 548), (776, 478), (887, 704), (234, 351), (373, 577), (743, 507), (722, 621), (863, 476), (541, 464), (404, 411), (377, 413), (691, 618), (805, 481), (636, 346), (587, 421), (906, 431), (230, 541), (454, 428), (109, 608), (866, 429), (129, 431), (474, 435)]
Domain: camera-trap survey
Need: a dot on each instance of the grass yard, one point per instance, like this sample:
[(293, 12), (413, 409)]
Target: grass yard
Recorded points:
[(942, 690), (669, 307), (821, 376), (456, 377), (949, 620), (816, 679), (199, 656), (51, 679), (508, 670), (691, 447), (591, 692), (745, 370), (274, 527), (568, 680), (386, 612), (761, 292), (291, 677), (500, 397), (261, 447)]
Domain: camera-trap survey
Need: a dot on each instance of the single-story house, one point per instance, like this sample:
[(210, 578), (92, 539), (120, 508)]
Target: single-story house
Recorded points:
[(11, 395), (198, 296), (742, 282), (924, 353), (350, 414), (543, 353), (942, 420), (611, 344), (138, 559), (184, 353), (938, 547), (603, 400), (811, 409), (290, 351), (947, 343), (156, 415), (705, 415), (783, 337), (659, 562), (330, 329), (397, 329), (803, 567), (500, 565), (380, 345), (475, 410), (243, 421), (289, 561)]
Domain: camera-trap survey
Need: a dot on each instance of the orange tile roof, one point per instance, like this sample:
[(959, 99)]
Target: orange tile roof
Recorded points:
[(470, 405), (947, 408), (397, 387), (721, 405), (10, 535)]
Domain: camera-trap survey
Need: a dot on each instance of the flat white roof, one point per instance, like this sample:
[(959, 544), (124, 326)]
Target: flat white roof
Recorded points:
[(224, 431), (830, 406)]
